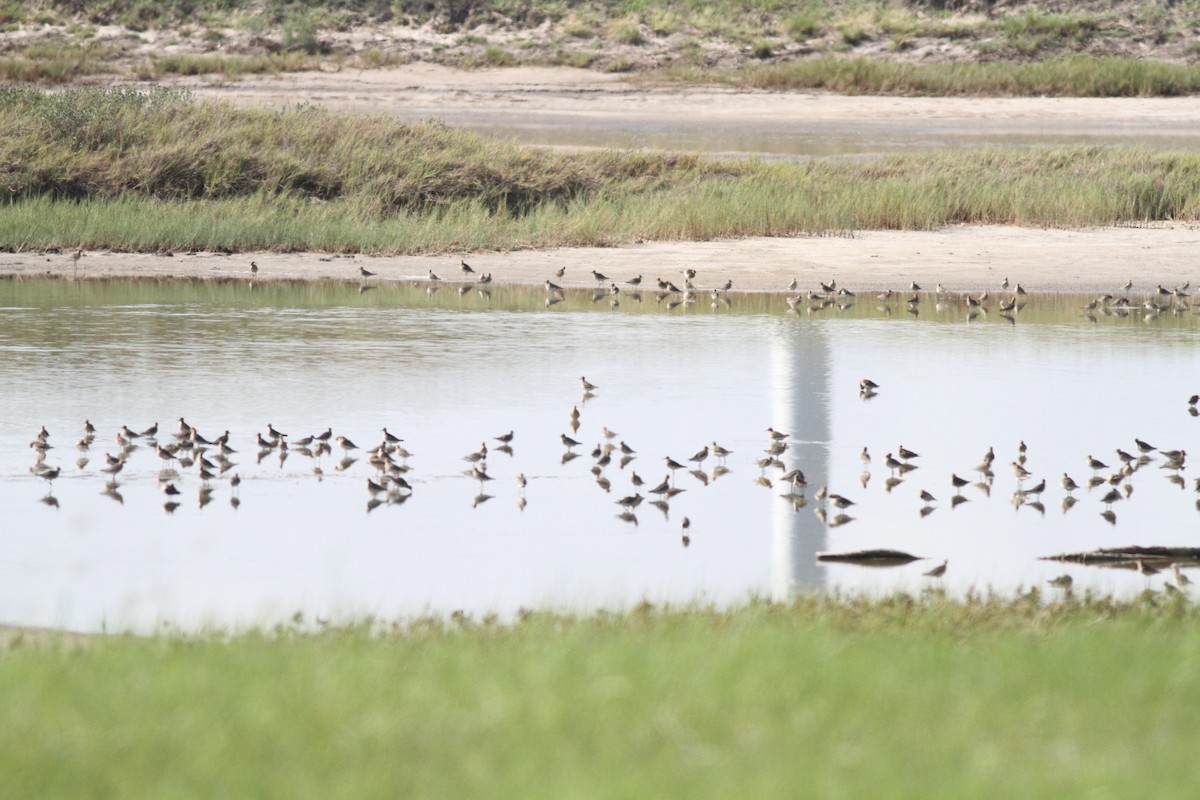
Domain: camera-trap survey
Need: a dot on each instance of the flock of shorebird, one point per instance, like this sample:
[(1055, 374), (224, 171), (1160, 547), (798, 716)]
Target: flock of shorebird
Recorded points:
[(1158, 301), (211, 458)]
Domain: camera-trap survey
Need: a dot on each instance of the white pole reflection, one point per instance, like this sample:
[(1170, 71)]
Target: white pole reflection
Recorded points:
[(800, 406)]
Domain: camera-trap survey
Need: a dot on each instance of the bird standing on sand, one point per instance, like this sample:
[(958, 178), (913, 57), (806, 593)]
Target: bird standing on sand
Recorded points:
[(600, 277), (366, 273), (253, 268), (465, 267)]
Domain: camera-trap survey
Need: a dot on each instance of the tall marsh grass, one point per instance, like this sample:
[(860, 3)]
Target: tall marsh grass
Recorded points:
[(1072, 76), (146, 171)]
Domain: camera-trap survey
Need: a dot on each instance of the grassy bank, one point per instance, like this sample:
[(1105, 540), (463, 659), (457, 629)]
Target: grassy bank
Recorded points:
[(133, 171), (1128, 48), (1074, 76), (897, 698)]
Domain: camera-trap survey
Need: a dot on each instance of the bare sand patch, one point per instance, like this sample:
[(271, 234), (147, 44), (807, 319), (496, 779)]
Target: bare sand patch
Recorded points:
[(960, 258)]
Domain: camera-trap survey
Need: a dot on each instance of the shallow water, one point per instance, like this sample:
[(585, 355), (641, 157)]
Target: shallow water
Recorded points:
[(447, 371)]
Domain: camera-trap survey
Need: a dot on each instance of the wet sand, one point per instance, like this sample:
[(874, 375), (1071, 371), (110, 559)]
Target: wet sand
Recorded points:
[(960, 258)]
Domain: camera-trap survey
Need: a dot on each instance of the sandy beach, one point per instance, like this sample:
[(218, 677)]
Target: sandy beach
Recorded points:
[(960, 258)]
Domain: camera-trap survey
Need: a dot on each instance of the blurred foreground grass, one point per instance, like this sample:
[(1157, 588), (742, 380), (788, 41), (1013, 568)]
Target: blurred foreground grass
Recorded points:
[(904, 697)]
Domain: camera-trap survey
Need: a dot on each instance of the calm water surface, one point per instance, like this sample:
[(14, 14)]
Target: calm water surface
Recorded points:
[(448, 372)]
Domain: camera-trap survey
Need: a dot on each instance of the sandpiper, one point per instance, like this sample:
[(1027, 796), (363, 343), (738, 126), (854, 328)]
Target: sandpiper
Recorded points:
[(776, 435), (672, 464), (700, 456), (366, 273), (163, 453), (957, 482), (937, 571), (1068, 483), (1020, 471), (663, 487), (600, 277), (504, 438), (1144, 447), (567, 441), (906, 454), (587, 386), (253, 268), (345, 443), (433, 277), (867, 385), (465, 267), (1096, 465), (927, 497), (1061, 582)]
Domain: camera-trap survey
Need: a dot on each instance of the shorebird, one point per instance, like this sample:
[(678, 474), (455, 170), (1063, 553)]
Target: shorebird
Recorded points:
[(465, 267), (700, 456), (727, 285), (1180, 578), (839, 501), (366, 273), (1068, 484), (1095, 465), (433, 277), (114, 468), (672, 464), (553, 287), (793, 285), (1061, 582), (1144, 446), (720, 452), (345, 443), (170, 490), (163, 453), (891, 462), (927, 497), (478, 455), (561, 271), (504, 438), (253, 268), (937, 571), (634, 281), (631, 501), (957, 482), (587, 386), (906, 454), (867, 385), (663, 487), (776, 435), (600, 277), (1020, 471), (568, 441), (1145, 568)]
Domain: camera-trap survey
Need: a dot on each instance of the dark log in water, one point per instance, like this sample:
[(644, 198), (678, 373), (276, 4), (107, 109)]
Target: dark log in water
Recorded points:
[(871, 558), (1129, 556)]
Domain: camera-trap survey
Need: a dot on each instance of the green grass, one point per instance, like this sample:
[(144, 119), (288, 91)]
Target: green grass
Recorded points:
[(1074, 76), (899, 698), (133, 171)]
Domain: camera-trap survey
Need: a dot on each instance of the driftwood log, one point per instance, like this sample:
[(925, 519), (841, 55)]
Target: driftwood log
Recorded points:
[(871, 558), (1127, 557)]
